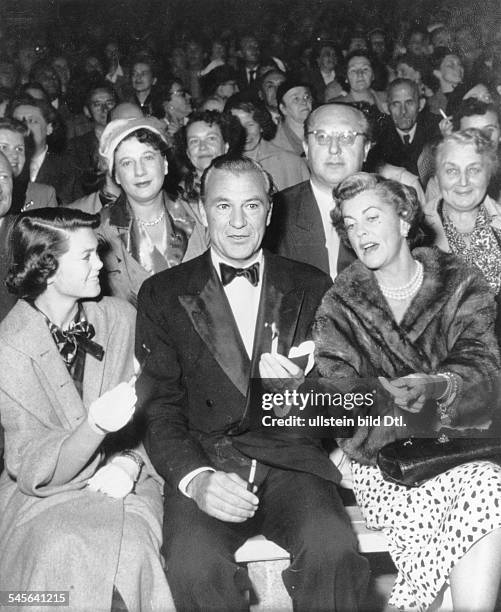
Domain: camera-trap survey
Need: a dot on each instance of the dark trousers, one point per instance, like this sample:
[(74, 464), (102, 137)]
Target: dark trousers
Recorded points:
[(302, 513)]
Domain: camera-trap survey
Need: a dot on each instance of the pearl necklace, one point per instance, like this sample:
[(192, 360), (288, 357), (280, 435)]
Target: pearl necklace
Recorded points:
[(151, 223), (408, 290)]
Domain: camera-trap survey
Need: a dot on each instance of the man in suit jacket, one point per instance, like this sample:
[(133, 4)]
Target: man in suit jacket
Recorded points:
[(205, 329), (337, 140), (409, 130)]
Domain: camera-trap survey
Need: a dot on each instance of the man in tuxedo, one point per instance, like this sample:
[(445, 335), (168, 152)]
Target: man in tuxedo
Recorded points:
[(405, 136), (204, 328), (337, 139)]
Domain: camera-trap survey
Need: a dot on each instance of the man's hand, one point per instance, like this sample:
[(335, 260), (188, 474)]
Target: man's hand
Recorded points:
[(411, 392), (223, 496), (280, 372)]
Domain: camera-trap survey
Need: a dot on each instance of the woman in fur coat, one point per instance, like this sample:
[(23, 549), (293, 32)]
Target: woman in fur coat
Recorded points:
[(418, 327), (80, 505)]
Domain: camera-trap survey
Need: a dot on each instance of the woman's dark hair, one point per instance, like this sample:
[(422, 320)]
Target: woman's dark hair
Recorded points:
[(36, 242), (402, 197), (233, 135), (260, 116)]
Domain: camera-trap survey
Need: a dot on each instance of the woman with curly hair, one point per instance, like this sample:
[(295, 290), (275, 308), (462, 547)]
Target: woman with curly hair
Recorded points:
[(417, 326)]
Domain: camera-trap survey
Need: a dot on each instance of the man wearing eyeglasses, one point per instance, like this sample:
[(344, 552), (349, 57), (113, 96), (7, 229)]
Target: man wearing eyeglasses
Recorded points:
[(336, 143), (294, 103)]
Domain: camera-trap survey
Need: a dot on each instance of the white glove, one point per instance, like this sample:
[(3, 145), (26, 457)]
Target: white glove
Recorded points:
[(112, 480), (114, 409)]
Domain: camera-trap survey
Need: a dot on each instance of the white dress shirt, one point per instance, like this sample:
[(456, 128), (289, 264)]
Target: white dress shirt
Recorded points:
[(411, 133), (36, 164), (244, 303), (325, 204)]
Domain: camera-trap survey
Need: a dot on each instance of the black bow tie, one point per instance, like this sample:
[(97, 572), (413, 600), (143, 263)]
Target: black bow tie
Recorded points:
[(78, 334), (251, 273)]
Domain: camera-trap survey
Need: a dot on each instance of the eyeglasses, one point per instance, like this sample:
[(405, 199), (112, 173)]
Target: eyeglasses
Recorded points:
[(344, 139), (106, 105)]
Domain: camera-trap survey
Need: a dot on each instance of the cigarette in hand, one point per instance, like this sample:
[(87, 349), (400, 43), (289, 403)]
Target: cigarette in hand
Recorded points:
[(252, 475), (443, 113), (274, 339)]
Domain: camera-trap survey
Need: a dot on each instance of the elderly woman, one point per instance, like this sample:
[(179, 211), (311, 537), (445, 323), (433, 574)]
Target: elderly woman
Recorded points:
[(417, 326), (80, 505), (144, 230), (285, 168), (465, 220)]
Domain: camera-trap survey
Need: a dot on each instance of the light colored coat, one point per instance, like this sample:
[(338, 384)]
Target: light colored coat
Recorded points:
[(65, 537)]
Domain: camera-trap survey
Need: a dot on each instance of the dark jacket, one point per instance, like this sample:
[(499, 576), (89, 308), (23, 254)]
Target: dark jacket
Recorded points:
[(195, 386), (296, 230)]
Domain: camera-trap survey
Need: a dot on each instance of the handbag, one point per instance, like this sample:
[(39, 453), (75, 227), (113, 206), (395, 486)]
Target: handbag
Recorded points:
[(412, 461)]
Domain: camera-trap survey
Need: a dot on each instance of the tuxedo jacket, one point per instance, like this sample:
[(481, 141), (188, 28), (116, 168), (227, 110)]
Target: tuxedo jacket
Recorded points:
[(390, 148), (296, 230), (194, 390)]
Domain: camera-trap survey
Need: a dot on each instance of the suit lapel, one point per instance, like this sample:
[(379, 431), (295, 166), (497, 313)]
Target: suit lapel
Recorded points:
[(212, 318), (280, 304)]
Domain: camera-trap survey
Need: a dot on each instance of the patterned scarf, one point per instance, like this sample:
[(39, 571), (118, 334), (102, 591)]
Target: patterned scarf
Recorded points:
[(484, 250)]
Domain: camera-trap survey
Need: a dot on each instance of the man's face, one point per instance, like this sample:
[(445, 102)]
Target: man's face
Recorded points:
[(488, 123), (378, 44), (5, 186), (101, 102), (331, 163), (250, 49), (60, 65), (296, 104), (12, 147), (35, 122), (139, 170), (48, 79), (269, 88), (236, 210), (227, 89), (417, 44), (403, 104), (142, 78)]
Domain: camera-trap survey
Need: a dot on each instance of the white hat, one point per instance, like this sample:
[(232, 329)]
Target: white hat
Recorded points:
[(117, 130)]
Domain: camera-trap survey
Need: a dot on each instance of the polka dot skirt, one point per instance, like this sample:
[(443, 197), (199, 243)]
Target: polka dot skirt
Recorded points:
[(430, 527)]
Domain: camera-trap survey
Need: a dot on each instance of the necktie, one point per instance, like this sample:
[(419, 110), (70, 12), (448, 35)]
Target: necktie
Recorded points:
[(251, 273), (407, 140)]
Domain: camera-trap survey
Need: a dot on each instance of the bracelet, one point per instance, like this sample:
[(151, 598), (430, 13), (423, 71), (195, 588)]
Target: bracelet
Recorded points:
[(445, 401), (136, 457)]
